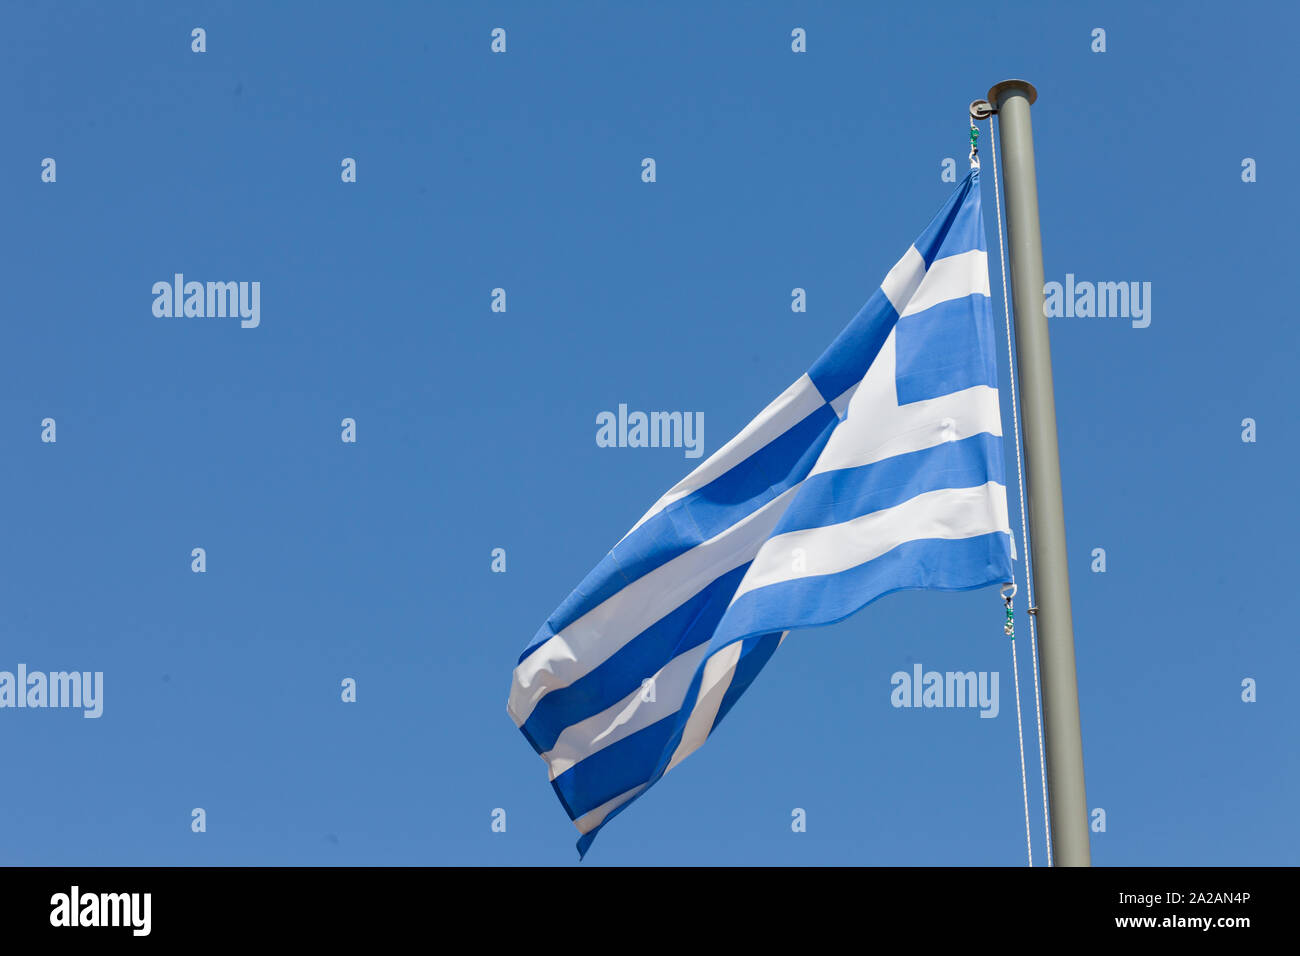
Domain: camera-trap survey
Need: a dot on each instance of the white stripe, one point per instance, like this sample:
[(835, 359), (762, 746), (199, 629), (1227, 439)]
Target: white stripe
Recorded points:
[(788, 409), (632, 713), (713, 688), (594, 818), (601, 632), (877, 428), (950, 513), (903, 279), (953, 277), (719, 670)]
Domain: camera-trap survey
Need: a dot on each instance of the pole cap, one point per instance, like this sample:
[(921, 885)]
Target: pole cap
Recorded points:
[(1007, 86)]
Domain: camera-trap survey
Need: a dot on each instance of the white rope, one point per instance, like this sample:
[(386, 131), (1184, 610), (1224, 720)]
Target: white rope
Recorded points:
[(1008, 592), (1024, 779), (1024, 534)]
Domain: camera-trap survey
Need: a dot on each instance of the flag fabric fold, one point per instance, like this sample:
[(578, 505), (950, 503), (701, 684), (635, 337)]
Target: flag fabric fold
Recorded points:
[(879, 470)]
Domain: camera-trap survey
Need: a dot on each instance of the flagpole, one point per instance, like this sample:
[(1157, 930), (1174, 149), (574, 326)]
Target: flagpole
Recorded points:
[(1063, 741)]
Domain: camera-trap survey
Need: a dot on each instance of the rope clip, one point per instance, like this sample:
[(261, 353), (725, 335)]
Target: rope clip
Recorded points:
[(1008, 591), (979, 110)]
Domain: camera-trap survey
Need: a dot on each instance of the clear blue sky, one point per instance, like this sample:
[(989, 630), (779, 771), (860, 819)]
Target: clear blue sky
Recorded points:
[(476, 429)]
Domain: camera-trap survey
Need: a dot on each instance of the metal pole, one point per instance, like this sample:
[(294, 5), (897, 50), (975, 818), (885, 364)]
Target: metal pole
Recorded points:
[(1063, 741)]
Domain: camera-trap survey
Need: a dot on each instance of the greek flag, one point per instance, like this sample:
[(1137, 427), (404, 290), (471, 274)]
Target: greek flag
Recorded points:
[(879, 470)]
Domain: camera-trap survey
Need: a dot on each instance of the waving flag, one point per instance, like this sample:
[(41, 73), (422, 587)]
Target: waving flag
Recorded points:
[(879, 470)]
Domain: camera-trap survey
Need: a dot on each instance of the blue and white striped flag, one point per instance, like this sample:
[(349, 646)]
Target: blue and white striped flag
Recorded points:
[(879, 470)]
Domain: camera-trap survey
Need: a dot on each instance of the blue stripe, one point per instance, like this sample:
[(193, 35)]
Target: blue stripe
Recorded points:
[(755, 653), (946, 348), (616, 768), (959, 225), (667, 736), (688, 626), (843, 364), (937, 564), (660, 767), (834, 496), (768, 473), (734, 495)]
